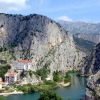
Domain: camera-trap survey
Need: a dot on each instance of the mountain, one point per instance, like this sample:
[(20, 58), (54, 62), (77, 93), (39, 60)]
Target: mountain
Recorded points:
[(87, 31), (39, 39)]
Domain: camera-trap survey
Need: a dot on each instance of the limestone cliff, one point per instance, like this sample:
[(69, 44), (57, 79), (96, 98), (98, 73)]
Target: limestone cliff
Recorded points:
[(39, 39), (91, 67), (91, 64), (93, 87)]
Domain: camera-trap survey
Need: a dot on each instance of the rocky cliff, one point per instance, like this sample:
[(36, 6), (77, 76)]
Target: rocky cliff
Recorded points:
[(92, 62), (87, 31), (93, 87), (39, 39)]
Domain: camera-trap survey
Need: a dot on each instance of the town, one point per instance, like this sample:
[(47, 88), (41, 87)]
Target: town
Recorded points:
[(23, 78), (13, 75)]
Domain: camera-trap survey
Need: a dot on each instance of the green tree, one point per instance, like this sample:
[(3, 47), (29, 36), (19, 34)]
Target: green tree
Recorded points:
[(43, 72), (4, 69), (57, 76), (67, 78), (49, 95)]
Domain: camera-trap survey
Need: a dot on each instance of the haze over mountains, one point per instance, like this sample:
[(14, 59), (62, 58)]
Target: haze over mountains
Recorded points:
[(87, 31)]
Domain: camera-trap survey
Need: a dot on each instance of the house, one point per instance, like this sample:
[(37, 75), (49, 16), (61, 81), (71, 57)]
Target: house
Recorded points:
[(22, 65), (11, 77), (1, 85)]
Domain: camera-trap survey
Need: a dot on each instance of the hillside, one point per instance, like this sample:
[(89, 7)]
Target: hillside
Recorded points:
[(39, 39)]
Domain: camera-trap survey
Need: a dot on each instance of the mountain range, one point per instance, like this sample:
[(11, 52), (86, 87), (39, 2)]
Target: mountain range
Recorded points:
[(86, 31)]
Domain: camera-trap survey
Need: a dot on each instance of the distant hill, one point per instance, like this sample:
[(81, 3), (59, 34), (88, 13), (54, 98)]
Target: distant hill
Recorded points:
[(84, 45), (87, 31)]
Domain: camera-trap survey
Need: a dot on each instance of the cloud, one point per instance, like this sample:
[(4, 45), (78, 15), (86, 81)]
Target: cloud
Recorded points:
[(13, 5), (65, 18)]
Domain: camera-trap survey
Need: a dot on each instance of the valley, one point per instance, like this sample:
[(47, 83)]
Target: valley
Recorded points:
[(37, 54)]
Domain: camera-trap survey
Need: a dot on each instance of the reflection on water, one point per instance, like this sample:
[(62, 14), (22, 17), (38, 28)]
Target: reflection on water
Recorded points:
[(75, 91)]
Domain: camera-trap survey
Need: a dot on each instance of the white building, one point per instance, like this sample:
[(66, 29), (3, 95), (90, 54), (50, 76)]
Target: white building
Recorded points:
[(11, 77), (22, 65), (1, 85), (0, 79)]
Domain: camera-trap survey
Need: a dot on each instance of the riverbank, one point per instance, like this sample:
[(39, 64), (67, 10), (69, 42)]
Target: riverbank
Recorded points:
[(29, 88), (75, 91), (11, 93), (62, 84)]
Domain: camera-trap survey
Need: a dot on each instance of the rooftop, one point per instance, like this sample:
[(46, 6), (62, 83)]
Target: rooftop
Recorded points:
[(10, 73), (1, 82), (24, 61)]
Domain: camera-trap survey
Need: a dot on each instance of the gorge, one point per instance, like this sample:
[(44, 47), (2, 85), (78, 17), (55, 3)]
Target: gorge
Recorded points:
[(47, 45)]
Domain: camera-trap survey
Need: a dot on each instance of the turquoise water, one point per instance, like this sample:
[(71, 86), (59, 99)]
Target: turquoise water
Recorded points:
[(75, 91)]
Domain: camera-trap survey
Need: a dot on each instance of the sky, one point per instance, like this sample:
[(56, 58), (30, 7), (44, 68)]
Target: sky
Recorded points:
[(68, 10)]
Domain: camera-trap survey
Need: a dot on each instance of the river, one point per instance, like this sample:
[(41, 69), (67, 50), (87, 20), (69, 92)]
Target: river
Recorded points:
[(75, 91)]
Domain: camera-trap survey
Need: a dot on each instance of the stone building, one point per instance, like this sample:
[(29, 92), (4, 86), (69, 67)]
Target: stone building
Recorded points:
[(11, 77), (22, 65)]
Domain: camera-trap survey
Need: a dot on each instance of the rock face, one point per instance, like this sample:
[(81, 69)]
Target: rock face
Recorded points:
[(93, 87), (39, 39), (92, 67), (92, 63), (87, 31)]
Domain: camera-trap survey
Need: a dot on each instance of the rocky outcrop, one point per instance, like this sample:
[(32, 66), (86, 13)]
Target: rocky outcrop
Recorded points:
[(87, 31), (92, 67), (39, 39), (93, 87), (91, 64)]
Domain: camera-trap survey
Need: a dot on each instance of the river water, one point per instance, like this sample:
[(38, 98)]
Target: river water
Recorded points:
[(75, 91)]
